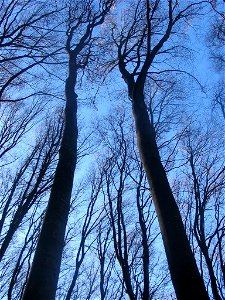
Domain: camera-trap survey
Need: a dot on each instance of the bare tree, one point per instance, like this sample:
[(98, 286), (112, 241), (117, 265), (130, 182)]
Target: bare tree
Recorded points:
[(215, 43), (19, 273), (138, 46), (37, 172), (43, 278), (103, 242), (16, 120), (207, 174), (216, 36), (131, 215), (91, 220), (26, 36)]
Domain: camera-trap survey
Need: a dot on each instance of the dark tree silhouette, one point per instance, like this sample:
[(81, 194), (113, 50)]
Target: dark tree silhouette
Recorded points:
[(26, 43), (137, 51), (89, 224), (206, 187), (38, 174), (131, 216), (102, 239), (43, 278)]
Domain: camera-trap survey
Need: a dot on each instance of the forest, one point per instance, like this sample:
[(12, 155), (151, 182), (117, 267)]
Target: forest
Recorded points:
[(112, 170)]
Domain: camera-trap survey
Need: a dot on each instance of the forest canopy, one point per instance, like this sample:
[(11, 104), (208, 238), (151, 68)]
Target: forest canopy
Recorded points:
[(112, 173)]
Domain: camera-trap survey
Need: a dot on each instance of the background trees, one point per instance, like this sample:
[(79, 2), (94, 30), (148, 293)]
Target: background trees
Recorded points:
[(27, 45), (112, 247), (206, 185)]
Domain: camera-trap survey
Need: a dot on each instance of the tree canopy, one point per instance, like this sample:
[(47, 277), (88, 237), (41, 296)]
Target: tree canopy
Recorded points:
[(112, 121)]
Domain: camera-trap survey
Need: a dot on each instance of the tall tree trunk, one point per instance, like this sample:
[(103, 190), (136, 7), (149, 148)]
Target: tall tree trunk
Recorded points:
[(186, 279), (145, 245), (212, 276), (205, 251), (43, 278)]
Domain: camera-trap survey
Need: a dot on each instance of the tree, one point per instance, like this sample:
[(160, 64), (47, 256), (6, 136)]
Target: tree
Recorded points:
[(215, 43), (37, 172), (131, 217), (88, 226), (16, 119), (43, 278), (104, 230), (19, 273), (26, 36), (106, 265), (138, 47), (205, 191)]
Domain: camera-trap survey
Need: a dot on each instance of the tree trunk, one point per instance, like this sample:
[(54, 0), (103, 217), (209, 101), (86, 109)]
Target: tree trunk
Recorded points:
[(186, 279), (145, 247), (204, 249), (43, 278)]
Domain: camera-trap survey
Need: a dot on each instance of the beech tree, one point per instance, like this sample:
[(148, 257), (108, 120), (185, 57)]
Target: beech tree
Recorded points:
[(27, 44), (16, 120), (89, 224), (205, 190), (37, 172), (26, 178), (215, 43), (43, 278), (100, 238), (138, 47), (131, 216), (24, 258)]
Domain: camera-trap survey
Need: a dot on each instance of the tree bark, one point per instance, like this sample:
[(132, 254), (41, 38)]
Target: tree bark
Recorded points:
[(186, 279), (43, 278)]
